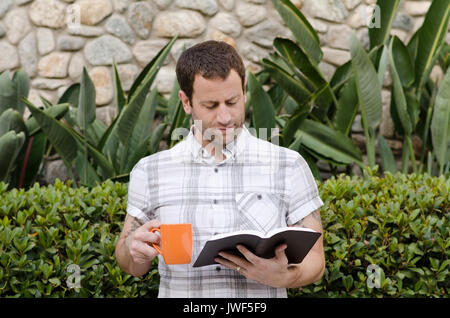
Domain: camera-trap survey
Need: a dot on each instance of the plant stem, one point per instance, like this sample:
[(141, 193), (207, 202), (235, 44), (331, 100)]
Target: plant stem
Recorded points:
[(411, 153)]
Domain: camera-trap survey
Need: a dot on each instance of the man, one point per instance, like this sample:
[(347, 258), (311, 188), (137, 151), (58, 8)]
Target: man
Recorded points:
[(221, 179)]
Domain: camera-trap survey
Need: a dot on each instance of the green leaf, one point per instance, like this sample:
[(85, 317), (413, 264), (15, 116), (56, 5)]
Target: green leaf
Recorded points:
[(431, 35), (387, 11), (7, 92), (301, 29), (367, 85), (22, 85), (10, 145), (347, 107), (10, 120), (57, 133), (56, 112), (263, 110), (291, 85), (400, 104), (121, 99), (86, 104), (328, 142), (440, 123), (387, 158), (403, 63)]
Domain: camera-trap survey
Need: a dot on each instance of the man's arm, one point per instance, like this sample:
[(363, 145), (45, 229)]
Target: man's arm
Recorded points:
[(134, 252), (275, 272)]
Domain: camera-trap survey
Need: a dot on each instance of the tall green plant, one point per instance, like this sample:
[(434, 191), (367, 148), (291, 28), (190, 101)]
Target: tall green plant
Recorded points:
[(98, 152)]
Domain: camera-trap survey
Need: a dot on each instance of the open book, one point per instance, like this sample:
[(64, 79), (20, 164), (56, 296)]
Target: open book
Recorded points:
[(299, 241)]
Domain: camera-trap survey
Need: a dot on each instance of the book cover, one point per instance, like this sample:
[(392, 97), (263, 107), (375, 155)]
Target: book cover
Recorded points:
[(299, 242)]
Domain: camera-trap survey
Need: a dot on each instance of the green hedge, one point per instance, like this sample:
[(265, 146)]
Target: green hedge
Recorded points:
[(398, 223)]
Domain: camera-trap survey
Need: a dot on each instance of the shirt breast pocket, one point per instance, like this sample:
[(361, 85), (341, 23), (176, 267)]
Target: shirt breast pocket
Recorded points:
[(259, 211)]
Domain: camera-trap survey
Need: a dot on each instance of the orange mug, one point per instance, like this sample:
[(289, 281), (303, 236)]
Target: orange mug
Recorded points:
[(176, 243)]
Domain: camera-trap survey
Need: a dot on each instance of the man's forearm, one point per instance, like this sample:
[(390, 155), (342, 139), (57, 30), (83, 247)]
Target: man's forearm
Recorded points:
[(307, 272), (125, 261)]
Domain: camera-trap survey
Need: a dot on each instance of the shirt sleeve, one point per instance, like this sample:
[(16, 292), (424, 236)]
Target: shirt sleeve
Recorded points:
[(138, 204), (303, 195)]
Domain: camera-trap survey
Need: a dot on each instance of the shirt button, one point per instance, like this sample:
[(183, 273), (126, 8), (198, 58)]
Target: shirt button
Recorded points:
[(259, 196), (216, 170), (215, 201), (218, 268)]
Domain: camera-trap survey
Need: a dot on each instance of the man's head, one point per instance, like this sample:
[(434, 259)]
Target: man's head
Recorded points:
[(211, 76)]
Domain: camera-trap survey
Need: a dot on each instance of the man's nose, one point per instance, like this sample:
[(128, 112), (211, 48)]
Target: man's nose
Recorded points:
[(223, 114)]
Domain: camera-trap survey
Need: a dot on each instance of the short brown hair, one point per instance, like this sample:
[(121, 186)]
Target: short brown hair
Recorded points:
[(210, 59)]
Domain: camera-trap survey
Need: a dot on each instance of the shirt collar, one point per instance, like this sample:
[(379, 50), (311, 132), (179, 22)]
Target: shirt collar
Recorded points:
[(231, 150)]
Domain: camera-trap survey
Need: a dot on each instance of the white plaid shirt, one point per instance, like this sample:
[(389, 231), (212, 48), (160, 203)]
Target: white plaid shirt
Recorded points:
[(259, 186)]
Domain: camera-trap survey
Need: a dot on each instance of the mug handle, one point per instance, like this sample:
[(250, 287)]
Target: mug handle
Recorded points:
[(156, 247)]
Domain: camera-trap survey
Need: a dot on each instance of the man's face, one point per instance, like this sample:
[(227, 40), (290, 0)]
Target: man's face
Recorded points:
[(218, 108)]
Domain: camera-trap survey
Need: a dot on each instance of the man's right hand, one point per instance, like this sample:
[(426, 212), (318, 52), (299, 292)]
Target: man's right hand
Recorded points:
[(134, 251), (140, 241)]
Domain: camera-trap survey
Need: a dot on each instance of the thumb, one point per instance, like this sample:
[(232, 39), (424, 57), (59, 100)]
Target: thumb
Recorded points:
[(280, 253), (151, 224)]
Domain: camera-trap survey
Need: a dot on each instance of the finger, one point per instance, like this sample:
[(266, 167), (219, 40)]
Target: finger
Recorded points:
[(230, 265), (143, 251), (252, 258), (151, 224), (238, 261), (147, 237), (280, 253)]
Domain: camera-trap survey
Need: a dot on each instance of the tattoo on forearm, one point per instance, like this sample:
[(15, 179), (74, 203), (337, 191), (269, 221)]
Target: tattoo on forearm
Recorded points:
[(315, 215), (135, 224)]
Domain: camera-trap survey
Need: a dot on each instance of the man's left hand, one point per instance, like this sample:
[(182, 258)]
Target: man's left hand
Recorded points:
[(272, 272)]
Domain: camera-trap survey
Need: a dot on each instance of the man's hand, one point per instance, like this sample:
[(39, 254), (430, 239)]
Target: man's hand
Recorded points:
[(140, 241), (134, 251), (272, 272)]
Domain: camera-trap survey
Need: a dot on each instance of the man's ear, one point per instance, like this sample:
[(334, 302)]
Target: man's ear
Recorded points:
[(185, 101)]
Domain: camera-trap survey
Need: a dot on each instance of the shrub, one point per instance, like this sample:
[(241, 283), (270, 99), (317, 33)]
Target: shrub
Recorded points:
[(399, 223)]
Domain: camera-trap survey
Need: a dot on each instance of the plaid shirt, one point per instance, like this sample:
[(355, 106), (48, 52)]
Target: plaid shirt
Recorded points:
[(259, 186)]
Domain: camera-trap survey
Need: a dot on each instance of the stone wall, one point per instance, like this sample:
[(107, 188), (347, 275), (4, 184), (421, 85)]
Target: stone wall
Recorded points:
[(53, 39)]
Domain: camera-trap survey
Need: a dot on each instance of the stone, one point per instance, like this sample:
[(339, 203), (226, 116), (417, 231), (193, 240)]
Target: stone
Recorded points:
[(334, 56), (93, 12), (121, 5), (10, 58), (127, 74), (357, 126), (140, 17), (48, 13), (327, 70), (4, 7), (183, 23), (219, 36), (106, 114), (28, 54), (104, 49), (85, 30), (70, 43), (416, 8), (359, 17), (250, 14), (387, 128), (252, 52), (76, 66), (163, 4), (118, 26), (318, 25), (330, 10), (55, 169), (403, 21), (22, 2), (297, 3), (145, 51), (226, 23), (50, 84), (2, 30), (179, 46), (208, 7), (257, 1), (227, 4), (165, 79), (45, 40), (101, 77), (34, 96), (351, 4), (338, 36), (265, 32), (54, 65), (17, 25)]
